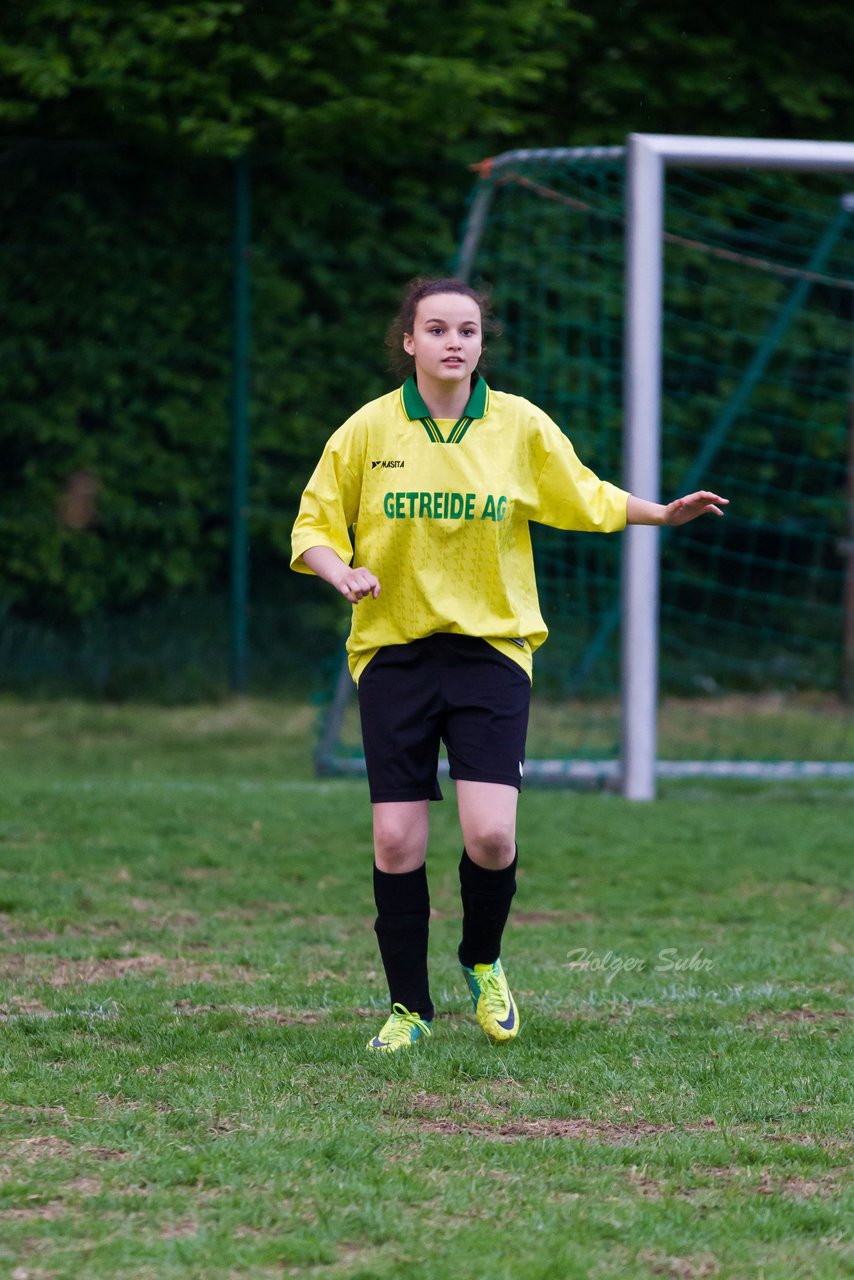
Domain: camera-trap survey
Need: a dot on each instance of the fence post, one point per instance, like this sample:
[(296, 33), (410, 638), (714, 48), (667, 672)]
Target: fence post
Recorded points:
[(240, 426)]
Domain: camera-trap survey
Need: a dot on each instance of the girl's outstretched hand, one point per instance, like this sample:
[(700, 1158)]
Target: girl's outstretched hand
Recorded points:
[(695, 504)]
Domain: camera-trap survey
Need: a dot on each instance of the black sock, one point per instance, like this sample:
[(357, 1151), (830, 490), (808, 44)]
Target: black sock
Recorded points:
[(402, 925), (486, 899)]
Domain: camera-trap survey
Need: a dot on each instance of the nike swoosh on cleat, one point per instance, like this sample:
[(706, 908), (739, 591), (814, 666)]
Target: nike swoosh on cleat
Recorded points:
[(509, 1022), (376, 1043)]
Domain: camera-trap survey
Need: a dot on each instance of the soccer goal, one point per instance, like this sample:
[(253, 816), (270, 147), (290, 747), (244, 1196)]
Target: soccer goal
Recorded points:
[(683, 308)]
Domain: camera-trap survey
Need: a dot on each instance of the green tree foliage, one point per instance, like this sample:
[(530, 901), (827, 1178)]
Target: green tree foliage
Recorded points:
[(668, 66), (346, 78), (361, 117)]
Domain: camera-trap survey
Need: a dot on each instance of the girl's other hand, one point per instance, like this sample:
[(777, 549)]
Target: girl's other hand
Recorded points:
[(355, 584)]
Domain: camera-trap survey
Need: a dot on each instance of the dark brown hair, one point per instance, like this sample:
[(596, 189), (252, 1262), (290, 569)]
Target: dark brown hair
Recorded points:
[(400, 362)]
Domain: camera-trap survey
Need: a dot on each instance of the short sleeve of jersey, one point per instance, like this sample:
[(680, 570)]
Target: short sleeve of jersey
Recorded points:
[(330, 500), (570, 495)]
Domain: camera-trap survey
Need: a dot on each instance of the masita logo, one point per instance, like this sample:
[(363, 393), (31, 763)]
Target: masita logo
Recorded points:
[(396, 462)]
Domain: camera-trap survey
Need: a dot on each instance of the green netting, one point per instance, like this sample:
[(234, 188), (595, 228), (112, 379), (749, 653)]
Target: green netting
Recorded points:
[(757, 404), (559, 231), (116, 278), (116, 268)]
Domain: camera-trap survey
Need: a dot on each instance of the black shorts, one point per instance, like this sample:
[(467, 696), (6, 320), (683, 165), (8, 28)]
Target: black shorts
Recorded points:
[(453, 688)]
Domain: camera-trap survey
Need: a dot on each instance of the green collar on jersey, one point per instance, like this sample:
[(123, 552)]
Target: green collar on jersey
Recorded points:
[(414, 407)]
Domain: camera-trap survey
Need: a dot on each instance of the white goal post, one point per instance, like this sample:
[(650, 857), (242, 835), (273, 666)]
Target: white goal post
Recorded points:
[(648, 155)]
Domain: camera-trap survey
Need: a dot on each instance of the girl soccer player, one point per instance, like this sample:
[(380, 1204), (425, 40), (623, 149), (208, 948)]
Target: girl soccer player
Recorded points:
[(439, 482)]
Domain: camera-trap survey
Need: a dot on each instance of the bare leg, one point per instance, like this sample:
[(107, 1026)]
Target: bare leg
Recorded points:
[(400, 835), (488, 820)]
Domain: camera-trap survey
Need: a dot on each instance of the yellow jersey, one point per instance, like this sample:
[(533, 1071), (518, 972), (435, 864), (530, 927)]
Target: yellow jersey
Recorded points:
[(440, 512)]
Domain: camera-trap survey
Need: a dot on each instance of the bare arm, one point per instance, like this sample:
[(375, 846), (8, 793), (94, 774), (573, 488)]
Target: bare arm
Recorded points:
[(639, 511), (354, 584)]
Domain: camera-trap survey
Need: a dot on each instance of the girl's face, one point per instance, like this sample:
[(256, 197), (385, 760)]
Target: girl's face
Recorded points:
[(446, 339)]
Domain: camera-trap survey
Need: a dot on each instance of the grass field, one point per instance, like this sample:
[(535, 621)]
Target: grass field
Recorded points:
[(795, 726), (188, 977)]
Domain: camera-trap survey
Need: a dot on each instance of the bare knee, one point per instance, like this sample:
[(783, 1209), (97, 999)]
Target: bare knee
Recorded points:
[(488, 819), (400, 837), (492, 845)]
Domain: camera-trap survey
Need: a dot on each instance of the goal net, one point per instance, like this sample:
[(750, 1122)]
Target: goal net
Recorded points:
[(756, 638)]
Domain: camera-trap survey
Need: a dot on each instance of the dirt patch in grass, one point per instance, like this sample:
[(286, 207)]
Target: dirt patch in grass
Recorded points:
[(613, 1017), (796, 1188), (49, 1147), (337, 923), (691, 1268), (806, 1188), (182, 1229), (779, 1022), (36, 1113), (161, 915), (578, 1128), (473, 1114), (575, 1129), (18, 1007), (17, 929), (252, 1013), (47, 1212), (648, 1187), (423, 1101), (42, 1147), (86, 1186), (267, 910), (522, 918), (802, 1139), (50, 1210), (769, 1183), (64, 972), (351, 1255), (487, 1117)]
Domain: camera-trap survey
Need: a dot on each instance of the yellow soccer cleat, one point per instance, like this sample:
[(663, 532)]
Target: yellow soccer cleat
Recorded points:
[(493, 1003), (401, 1030)]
